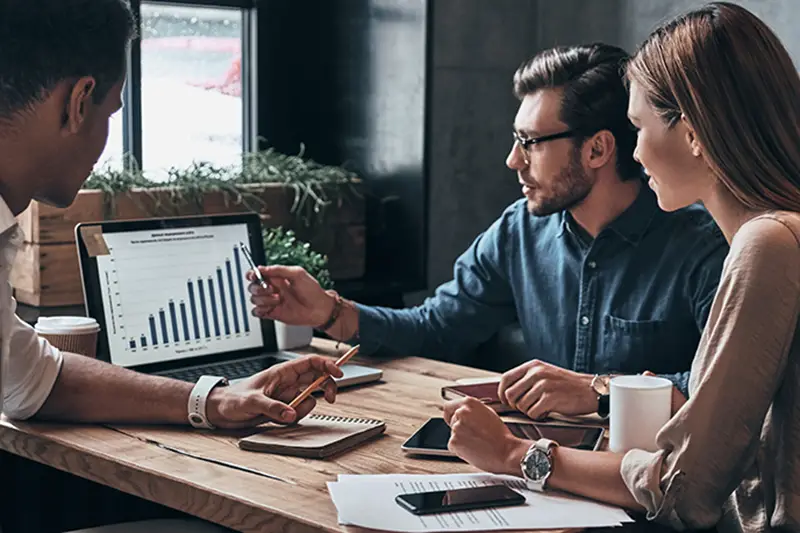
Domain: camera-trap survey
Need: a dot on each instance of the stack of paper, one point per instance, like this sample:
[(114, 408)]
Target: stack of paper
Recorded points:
[(369, 501)]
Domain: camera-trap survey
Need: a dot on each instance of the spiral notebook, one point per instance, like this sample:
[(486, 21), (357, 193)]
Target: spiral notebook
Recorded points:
[(315, 436)]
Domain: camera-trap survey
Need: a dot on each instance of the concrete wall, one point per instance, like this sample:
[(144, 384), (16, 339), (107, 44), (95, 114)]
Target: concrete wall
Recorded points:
[(639, 17), (477, 45)]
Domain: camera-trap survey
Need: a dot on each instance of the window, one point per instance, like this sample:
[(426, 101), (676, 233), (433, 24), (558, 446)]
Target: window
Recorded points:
[(113, 153), (191, 86), (186, 100)]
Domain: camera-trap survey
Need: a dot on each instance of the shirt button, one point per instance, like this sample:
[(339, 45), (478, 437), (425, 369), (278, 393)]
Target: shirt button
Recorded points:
[(585, 320), (592, 264)]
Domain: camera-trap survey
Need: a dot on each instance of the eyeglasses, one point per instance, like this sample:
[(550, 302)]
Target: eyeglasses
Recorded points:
[(526, 143)]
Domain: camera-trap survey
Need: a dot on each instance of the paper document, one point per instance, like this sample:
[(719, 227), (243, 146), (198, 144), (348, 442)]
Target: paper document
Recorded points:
[(368, 501)]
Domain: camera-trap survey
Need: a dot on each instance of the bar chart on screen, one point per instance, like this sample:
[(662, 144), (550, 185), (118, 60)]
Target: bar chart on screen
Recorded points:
[(176, 293)]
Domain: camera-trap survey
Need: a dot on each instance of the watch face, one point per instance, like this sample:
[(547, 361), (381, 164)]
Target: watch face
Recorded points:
[(538, 465), (601, 385)]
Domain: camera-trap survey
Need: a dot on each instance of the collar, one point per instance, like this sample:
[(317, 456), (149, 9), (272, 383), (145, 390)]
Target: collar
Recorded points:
[(568, 224), (632, 223), (563, 216), (7, 218)]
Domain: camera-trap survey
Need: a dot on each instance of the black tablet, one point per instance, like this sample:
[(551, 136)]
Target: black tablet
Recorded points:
[(432, 437)]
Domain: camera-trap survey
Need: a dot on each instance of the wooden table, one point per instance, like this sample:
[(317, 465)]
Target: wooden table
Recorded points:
[(407, 396)]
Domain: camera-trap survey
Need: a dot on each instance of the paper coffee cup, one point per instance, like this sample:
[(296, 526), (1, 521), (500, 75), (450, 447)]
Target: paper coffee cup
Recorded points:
[(639, 408), (73, 334)]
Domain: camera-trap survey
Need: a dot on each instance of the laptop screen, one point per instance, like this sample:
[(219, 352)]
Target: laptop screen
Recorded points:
[(171, 290)]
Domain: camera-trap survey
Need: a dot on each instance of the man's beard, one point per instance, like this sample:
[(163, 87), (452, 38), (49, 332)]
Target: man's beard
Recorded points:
[(570, 188)]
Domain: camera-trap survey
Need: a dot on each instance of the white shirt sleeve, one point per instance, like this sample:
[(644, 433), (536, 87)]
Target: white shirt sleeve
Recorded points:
[(30, 367)]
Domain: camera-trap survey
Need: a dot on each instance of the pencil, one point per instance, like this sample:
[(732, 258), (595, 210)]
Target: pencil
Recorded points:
[(320, 380)]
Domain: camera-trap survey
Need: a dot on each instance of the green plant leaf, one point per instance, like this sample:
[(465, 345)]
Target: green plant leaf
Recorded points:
[(310, 181), (283, 248)]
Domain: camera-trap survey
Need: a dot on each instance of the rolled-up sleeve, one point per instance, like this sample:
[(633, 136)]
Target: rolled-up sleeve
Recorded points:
[(711, 444), (463, 312), (31, 367)]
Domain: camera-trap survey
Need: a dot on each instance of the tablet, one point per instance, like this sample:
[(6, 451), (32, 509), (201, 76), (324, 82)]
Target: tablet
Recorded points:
[(432, 437)]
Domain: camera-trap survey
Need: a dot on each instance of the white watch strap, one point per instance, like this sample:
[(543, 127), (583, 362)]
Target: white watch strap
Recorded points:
[(541, 445), (546, 444), (197, 400)]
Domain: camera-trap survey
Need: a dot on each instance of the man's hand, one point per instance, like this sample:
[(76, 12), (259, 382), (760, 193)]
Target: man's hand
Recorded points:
[(678, 399), (537, 389), (265, 396), (478, 436), (293, 297)]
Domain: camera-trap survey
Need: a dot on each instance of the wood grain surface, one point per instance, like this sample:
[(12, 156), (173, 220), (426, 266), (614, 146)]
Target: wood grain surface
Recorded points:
[(121, 458)]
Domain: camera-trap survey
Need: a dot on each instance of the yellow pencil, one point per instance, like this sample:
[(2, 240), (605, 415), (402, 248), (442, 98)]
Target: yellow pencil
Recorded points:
[(320, 380)]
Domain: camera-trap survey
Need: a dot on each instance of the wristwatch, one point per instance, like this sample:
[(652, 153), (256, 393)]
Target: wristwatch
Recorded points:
[(537, 465), (198, 397), (601, 385)]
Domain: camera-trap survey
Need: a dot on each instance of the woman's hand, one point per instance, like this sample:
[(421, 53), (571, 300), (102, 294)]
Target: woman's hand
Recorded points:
[(479, 436)]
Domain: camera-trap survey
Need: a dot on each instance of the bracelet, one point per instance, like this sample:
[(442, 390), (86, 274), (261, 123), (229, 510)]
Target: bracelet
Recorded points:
[(337, 309)]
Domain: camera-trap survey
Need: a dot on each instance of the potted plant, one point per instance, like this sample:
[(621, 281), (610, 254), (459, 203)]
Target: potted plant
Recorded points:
[(282, 247), (324, 204)]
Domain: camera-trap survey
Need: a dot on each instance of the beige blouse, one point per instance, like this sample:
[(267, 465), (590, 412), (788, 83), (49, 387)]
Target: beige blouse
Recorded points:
[(731, 455)]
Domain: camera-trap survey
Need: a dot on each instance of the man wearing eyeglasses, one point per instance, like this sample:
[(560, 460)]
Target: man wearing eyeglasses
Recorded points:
[(600, 279)]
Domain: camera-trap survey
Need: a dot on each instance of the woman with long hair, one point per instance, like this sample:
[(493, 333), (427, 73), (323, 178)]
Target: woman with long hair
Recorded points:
[(716, 101)]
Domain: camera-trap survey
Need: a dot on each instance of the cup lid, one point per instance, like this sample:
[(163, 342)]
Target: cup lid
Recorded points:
[(66, 325)]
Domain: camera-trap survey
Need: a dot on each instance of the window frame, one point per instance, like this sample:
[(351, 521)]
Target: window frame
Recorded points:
[(132, 96)]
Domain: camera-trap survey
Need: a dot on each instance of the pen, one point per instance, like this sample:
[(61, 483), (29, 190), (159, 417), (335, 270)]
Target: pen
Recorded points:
[(256, 271), (320, 380)]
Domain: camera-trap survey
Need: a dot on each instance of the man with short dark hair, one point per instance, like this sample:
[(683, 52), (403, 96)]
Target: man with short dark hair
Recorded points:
[(62, 68), (600, 279)]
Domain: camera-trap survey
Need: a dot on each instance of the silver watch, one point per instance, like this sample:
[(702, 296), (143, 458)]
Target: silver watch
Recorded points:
[(537, 465)]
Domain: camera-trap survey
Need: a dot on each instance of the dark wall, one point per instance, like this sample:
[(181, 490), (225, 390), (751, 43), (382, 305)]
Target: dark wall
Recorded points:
[(639, 17), (347, 78), (416, 96), (351, 79), (628, 22), (477, 46)]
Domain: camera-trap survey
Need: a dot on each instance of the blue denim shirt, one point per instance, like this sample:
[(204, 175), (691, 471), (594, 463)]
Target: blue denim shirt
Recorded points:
[(635, 298)]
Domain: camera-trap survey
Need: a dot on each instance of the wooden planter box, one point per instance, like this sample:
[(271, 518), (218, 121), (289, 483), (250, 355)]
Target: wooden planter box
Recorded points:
[(47, 274)]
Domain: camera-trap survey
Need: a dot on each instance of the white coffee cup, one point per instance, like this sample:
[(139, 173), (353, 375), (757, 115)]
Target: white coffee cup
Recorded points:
[(75, 334), (639, 408)]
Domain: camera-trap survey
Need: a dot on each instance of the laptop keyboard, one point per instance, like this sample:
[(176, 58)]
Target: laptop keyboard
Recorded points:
[(229, 369)]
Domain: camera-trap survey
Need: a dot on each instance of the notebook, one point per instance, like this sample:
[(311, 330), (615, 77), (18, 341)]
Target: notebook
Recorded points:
[(484, 390), (317, 436)]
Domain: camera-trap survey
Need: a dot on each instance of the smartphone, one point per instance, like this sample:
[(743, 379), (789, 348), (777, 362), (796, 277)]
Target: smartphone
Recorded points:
[(432, 437), (446, 501)]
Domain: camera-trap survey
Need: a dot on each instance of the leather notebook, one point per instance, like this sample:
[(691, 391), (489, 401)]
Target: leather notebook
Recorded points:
[(484, 390), (315, 436)]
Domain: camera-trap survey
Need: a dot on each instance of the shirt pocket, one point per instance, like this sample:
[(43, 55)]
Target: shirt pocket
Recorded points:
[(633, 346)]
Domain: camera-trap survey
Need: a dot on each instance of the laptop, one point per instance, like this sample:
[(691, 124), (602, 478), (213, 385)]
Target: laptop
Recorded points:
[(171, 297)]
